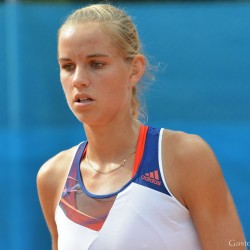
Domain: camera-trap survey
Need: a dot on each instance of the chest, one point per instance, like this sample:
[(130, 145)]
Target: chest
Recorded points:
[(100, 183)]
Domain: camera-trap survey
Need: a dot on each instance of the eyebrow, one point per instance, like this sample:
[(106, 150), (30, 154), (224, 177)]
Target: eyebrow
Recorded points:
[(88, 56), (97, 55)]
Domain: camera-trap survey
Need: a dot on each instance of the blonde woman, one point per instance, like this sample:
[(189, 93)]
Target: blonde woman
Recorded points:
[(129, 186)]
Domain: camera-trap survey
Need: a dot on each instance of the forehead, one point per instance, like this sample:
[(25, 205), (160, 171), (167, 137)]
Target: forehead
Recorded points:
[(87, 28), (87, 36)]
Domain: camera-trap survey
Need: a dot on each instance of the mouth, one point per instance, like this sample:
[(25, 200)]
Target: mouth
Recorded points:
[(84, 100)]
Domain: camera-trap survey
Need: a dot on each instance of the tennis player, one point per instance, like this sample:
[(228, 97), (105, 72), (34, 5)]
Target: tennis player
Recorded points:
[(129, 186)]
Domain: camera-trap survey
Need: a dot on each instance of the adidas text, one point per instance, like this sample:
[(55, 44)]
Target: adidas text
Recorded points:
[(146, 178)]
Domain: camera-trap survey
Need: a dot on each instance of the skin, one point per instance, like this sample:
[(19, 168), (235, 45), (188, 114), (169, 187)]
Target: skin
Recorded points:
[(94, 70)]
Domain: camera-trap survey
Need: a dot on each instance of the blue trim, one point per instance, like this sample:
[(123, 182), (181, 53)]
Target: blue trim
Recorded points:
[(149, 163), (77, 161)]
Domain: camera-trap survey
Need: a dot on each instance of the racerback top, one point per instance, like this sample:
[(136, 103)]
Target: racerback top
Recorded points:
[(143, 214)]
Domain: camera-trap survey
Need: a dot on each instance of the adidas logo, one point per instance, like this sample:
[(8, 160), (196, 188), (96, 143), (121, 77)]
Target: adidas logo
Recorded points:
[(152, 177)]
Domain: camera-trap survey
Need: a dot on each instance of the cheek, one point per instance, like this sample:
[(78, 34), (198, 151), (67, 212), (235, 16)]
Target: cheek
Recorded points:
[(67, 92), (119, 93), (65, 83)]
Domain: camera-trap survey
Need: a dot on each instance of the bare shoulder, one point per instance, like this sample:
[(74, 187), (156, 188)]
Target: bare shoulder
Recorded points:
[(191, 164), (195, 178), (188, 148), (184, 144), (50, 180), (56, 166), (52, 175)]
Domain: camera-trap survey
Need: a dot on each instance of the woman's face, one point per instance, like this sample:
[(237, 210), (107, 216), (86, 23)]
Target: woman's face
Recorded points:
[(95, 77)]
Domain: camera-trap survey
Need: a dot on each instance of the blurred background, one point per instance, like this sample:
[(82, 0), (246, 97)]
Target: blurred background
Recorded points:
[(204, 48)]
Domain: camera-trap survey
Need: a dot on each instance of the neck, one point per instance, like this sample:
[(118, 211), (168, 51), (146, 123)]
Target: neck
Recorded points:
[(110, 143)]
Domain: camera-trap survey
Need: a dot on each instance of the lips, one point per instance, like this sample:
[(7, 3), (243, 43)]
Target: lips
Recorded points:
[(82, 102), (83, 98)]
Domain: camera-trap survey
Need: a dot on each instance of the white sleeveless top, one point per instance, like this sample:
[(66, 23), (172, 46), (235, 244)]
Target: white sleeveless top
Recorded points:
[(141, 215)]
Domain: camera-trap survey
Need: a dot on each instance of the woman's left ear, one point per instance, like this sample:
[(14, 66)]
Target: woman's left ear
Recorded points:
[(138, 67)]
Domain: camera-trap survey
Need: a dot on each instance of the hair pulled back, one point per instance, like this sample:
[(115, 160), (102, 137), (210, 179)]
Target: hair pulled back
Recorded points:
[(121, 29)]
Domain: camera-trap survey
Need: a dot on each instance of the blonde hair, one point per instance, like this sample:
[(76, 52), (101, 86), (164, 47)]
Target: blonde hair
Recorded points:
[(123, 32)]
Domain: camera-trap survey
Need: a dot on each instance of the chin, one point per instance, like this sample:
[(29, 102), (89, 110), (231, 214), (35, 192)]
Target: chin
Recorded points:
[(89, 120)]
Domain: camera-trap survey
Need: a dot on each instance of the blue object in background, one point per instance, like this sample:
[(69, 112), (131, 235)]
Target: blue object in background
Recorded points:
[(204, 90)]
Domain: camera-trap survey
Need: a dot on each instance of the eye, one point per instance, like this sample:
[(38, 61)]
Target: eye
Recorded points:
[(97, 65), (68, 67)]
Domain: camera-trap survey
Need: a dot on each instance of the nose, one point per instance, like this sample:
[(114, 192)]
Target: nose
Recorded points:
[(80, 78)]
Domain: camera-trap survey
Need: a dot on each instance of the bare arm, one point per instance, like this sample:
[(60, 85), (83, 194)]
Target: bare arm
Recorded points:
[(203, 190), (47, 194), (50, 181)]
